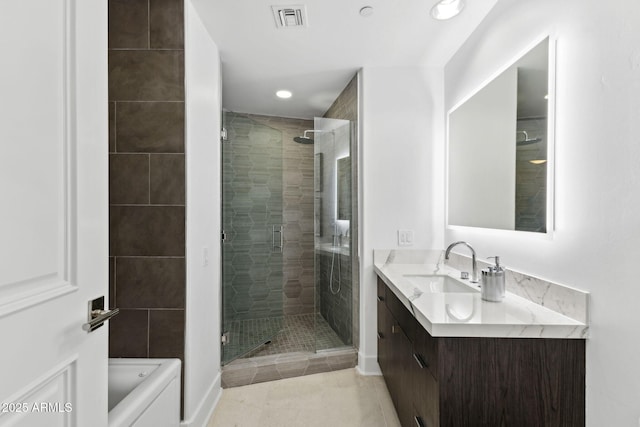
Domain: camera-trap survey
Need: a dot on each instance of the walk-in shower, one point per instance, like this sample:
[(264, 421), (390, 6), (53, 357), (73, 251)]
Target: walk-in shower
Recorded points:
[(286, 210)]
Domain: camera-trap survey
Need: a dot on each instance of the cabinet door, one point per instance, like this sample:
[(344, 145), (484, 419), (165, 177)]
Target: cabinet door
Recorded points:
[(384, 336), (425, 348), (425, 398), (401, 372), (401, 313), (524, 382), (425, 388)]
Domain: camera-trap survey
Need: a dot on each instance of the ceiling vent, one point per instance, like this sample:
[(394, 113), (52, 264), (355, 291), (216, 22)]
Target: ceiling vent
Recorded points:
[(291, 16)]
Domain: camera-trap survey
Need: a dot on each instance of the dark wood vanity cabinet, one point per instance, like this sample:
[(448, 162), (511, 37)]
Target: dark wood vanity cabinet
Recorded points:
[(452, 381), (393, 346)]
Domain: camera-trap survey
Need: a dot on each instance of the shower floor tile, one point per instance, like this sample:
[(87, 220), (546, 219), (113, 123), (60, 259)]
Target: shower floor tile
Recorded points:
[(298, 334), (288, 334)]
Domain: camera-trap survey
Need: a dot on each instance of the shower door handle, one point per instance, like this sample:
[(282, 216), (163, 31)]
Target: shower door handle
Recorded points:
[(277, 242)]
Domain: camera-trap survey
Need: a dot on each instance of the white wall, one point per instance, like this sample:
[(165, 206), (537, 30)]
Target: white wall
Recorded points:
[(597, 233), (202, 346), (396, 167), (482, 156)]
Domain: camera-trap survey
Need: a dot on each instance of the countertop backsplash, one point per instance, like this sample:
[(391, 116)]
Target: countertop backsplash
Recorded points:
[(566, 300)]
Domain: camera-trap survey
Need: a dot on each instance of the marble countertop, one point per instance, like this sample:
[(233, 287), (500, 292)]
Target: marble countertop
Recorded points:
[(464, 314)]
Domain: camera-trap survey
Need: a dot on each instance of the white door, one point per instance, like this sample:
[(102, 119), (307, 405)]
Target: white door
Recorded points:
[(53, 211)]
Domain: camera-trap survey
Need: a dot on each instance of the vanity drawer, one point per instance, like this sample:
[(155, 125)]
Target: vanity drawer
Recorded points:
[(402, 315), (382, 291), (425, 348)]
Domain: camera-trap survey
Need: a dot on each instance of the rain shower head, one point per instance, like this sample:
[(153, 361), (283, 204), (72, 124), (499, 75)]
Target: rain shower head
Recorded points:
[(526, 140), (304, 139)]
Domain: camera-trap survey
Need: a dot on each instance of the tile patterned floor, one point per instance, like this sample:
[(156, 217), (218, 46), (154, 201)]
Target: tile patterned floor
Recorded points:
[(244, 334), (337, 399), (288, 334)]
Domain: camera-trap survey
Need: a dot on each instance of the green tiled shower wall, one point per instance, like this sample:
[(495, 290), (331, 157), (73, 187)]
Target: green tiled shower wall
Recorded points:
[(336, 306), (252, 206), (267, 183), (268, 180)]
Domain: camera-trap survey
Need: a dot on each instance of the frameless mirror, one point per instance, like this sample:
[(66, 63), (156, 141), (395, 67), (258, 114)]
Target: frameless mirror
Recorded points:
[(499, 150)]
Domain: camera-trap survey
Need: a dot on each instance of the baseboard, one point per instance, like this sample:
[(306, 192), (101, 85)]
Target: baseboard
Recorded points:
[(368, 365), (206, 406)]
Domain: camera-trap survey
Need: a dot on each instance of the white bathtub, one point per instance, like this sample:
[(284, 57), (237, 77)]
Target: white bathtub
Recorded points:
[(144, 392)]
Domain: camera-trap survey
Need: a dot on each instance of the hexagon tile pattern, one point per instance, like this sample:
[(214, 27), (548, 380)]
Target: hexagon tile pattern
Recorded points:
[(252, 206), (267, 181)]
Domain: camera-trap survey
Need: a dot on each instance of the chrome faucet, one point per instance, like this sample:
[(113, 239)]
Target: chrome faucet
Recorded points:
[(474, 266)]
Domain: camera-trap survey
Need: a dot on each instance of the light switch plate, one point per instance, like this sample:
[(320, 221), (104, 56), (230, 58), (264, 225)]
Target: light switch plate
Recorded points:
[(405, 237)]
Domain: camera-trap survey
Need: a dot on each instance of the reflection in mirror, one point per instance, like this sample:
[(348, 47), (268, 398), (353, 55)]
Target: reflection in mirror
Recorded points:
[(498, 150), (531, 141)]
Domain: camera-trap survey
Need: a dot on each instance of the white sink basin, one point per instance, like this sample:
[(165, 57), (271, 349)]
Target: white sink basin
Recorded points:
[(439, 284)]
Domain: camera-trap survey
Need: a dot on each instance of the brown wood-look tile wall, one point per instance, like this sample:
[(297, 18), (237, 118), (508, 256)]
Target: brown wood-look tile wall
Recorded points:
[(146, 178)]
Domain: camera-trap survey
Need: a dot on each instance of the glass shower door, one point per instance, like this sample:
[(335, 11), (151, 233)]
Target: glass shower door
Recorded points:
[(333, 221), (252, 261)]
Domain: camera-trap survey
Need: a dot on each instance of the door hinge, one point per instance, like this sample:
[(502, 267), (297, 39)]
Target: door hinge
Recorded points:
[(224, 338), (223, 236), (223, 134)]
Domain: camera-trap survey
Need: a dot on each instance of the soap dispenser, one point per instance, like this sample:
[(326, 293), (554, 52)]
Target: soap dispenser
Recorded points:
[(493, 286)]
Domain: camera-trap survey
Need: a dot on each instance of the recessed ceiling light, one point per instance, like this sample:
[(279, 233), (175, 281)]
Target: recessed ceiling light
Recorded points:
[(366, 11), (447, 9), (284, 94)]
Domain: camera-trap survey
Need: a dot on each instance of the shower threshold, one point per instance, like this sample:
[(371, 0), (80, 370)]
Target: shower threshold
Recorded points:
[(279, 366)]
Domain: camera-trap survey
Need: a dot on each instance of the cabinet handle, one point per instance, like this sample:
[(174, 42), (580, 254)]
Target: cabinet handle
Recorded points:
[(420, 361), (419, 422), (380, 336), (381, 299)]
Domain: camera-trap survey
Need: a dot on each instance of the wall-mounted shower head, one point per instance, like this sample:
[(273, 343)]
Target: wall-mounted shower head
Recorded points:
[(526, 140), (304, 139)]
